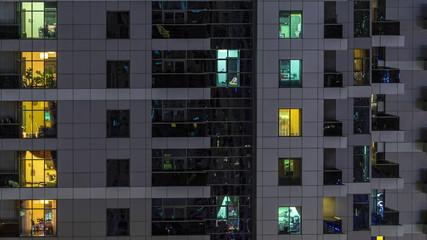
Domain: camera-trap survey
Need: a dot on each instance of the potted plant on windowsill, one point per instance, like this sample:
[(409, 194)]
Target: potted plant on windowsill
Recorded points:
[(43, 79)]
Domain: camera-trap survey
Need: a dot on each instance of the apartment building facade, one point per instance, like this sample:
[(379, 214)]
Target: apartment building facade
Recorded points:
[(213, 119)]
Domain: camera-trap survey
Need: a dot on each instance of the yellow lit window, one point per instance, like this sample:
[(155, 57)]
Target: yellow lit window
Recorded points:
[(38, 169), (289, 122), (38, 119), (37, 218), (38, 69)]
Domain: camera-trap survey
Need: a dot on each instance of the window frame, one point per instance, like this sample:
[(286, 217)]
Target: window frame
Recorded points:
[(290, 12), (107, 222), (289, 80), (290, 180), (290, 122)]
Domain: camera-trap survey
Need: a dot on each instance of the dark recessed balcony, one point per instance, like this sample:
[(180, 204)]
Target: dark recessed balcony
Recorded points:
[(9, 180), (333, 30), (10, 130), (9, 31), (387, 216), (385, 122), (9, 228), (9, 80), (332, 176), (425, 23), (385, 27), (332, 129), (386, 75), (332, 79), (385, 169), (332, 225)]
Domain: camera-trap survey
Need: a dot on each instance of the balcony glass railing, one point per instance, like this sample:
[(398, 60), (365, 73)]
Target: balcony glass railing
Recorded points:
[(9, 180), (332, 225), (9, 228), (385, 75), (332, 129), (332, 79), (9, 31), (385, 27), (333, 30), (385, 169), (9, 80), (385, 122), (332, 177), (387, 216)]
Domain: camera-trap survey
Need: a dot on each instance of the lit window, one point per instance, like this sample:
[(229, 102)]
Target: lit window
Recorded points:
[(228, 68), (228, 213), (289, 220), (290, 73), (289, 171), (38, 119), (290, 24), (289, 122), (38, 20), (38, 218), (38, 69), (38, 168)]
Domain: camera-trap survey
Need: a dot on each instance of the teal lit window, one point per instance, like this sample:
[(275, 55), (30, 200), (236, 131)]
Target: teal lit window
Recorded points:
[(361, 163), (290, 24), (228, 68), (289, 220), (290, 73)]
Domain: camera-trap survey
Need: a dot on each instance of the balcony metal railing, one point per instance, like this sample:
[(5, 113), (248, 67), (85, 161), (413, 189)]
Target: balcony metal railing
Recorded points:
[(333, 79), (333, 30), (385, 122), (9, 180), (385, 27), (332, 225), (386, 75), (387, 216), (9, 31), (9, 80), (332, 129), (385, 169), (332, 177)]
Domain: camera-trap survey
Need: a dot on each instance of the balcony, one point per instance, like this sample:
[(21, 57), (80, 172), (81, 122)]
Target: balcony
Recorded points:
[(9, 228), (333, 30), (386, 75), (385, 122), (332, 225), (332, 129), (385, 169), (9, 180), (425, 23), (9, 81), (386, 217), (385, 27), (333, 80), (10, 130), (332, 176), (9, 31)]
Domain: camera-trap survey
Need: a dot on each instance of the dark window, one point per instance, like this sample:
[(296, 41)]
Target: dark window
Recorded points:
[(117, 24), (117, 222), (289, 171), (118, 74), (117, 173), (118, 123)]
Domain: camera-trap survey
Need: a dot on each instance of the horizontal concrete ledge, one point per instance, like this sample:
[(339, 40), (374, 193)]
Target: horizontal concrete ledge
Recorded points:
[(104, 193), (103, 94)]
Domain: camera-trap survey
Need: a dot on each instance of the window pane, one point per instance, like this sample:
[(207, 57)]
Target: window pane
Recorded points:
[(38, 218), (118, 74), (118, 123), (290, 24), (290, 73), (117, 25), (118, 173), (117, 222), (295, 122), (289, 172), (289, 220), (284, 123)]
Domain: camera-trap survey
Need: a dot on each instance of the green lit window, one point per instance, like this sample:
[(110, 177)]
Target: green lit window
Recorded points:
[(289, 220), (228, 68), (38, 19), (290, 73), (361, 163), (289, 171), (290, 24)]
